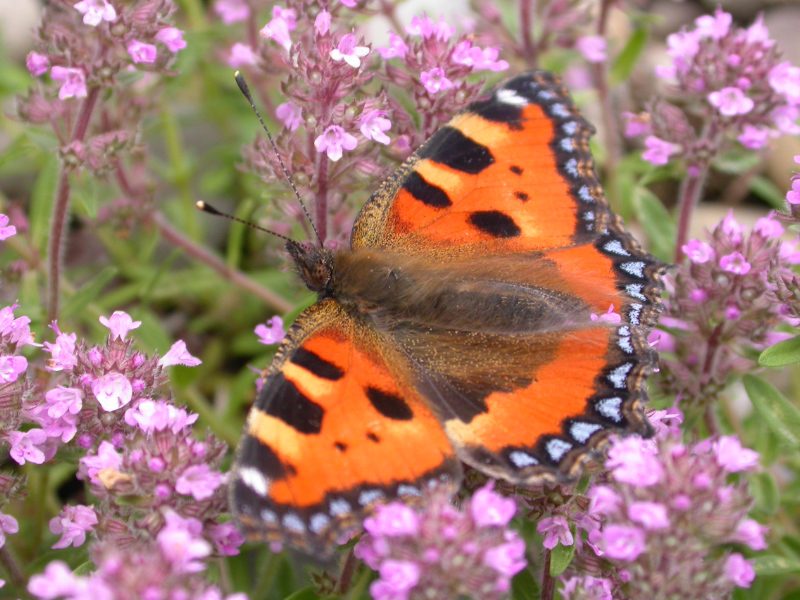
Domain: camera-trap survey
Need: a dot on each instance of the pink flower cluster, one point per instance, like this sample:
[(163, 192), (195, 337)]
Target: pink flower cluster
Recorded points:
[(662, 490), (732, 76), (443, 552)]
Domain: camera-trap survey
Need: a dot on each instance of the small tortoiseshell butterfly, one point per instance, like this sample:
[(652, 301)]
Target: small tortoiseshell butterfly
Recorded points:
[(459, 326)]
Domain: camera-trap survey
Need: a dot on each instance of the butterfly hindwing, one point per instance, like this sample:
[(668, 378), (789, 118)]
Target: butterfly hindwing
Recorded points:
[(335, 429)]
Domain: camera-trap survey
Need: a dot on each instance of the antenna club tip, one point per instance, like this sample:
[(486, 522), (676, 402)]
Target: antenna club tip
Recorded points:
[(237, 74), (200, 205)]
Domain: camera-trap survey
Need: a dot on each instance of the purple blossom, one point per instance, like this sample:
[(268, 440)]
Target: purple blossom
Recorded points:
[(199, 481), (784, 118), (490, 509), (658, 151), (151, 416), (112, 390), (74, 85), (633, 460), (507, 559), (637, 124), (182, 545), (291, 115), (607, 317), (732, 457), (373, 124), (793, 195), (784, 78), (172, 38), (6, 230), (739, 570), (651, 515), (392, 520), (57, 581), (683, 46), (95, 11), (593, 588), (283, 21), (593, 48), (322, 23), (11, 367), (769, 227), (141, 52), (478, 58), (731, 101), (555, 530), (37, 65), (271, 333), (26, 447), (397, 47), (333, 140), (107, 458), (348, 52), (715, 27), (435, 81), (226, 538), (754, 137), (72, 524), (698, 252), (622, 542), (179, 355), (120, 323), (604, 500), (735, 263), (231, 11), (397, 578), (751, 533), (63, 400), (241, 55)]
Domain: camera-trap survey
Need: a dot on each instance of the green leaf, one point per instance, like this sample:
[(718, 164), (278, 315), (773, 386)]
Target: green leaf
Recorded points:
[(781, 354), (308, 593), (775, 565), (656, 222), (561, 556), (736, 162), (780, 415), (88, 293), (627, 59), (44, 191), (525, 587), (765, 491), (768, 191)]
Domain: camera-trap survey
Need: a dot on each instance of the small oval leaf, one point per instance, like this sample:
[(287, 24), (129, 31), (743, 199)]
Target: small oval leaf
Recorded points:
[(780, 415), (560, 557), (781, 354)]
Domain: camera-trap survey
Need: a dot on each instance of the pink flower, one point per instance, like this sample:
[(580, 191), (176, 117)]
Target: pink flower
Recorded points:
[(622, 542), (769, 227), (11, 367), (74, 85), (57, 580), (488, 508), (231, 11), (698, 252), (94, 11), (397, 578), (322, 23), (555, 530), (112, 390), (785, 79), (683, 45), (291, 115), (141, 53), (37, 64), (151, 415), (732, 457), (754, 137), (735, 263), (120, 324), (739, 570), (425, 27), (283, 21), (731, 101), (182, 545), (106, 458), (392, 520), (72, 524), (349, 52), (172, 38), (373, 124), (593, 48), (477, 58), (241, 55), (793, 195), (435, 81), (507, 559), (594, 588), (26, 447), (658, 151), (607, 317), (604, 500), (6, 230), (636, 124), (349, 3), (179, 355), (715, 27), (226, 538), (633, 460), (751, 533), (651, 515), (784, 118), (333, 140), (63, 400), (397, 47), (199, 481), (272, 332)]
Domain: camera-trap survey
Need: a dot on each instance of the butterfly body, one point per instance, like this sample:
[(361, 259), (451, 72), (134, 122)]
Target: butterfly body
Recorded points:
[(461, 325)]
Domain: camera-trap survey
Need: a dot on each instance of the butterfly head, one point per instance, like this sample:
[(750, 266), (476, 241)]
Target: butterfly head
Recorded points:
[(314, 264)]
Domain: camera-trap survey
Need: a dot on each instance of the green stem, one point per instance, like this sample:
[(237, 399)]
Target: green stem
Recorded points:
[(181, 177)]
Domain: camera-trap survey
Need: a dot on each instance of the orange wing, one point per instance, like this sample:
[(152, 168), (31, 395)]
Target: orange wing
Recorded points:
[(336, 429), (512, 176)]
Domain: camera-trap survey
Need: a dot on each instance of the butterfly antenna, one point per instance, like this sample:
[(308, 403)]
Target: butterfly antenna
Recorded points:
[(246, 91), (213, 211)]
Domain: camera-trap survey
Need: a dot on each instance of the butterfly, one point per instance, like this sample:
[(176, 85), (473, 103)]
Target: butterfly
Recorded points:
[(460, 326)]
